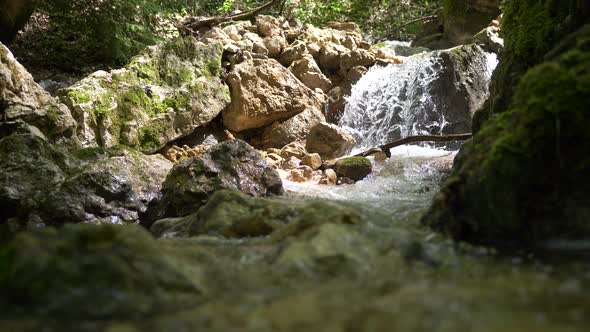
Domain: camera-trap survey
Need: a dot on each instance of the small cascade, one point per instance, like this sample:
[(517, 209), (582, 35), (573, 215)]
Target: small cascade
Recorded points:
[(430, 93)]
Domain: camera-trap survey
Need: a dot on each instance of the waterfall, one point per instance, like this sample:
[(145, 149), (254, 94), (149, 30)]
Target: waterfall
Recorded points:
[(430, 93)]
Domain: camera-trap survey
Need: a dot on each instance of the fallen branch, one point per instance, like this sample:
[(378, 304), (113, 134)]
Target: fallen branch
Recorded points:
[(193, 24), (412, 139), (399, 27)]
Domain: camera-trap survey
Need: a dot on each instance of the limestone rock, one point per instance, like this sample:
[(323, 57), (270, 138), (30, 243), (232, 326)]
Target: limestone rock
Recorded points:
[(296, 128), (268, 26), (355, 74), (293, 52), (308, 72), (329, 141), (329, 177), (228, 165), (336, 103), (489, 39), (355, 58), (312, 160), (293, 149), (22, 98), (354, 168), (331, 55), (160, 96), (262, 92)]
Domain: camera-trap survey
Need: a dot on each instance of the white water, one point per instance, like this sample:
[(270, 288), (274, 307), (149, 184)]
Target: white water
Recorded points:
[(391, 102)]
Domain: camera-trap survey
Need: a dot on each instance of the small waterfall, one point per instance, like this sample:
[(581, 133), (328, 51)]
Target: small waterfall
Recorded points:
[(415, 97)]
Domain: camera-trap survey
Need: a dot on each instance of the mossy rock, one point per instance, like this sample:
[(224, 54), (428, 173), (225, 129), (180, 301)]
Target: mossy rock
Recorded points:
[(530, 29), (161, 95), (234, 214), (354, 168), (90, 272), (525, 178)]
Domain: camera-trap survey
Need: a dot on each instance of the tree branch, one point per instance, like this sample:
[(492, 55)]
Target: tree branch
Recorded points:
[(412, 139)]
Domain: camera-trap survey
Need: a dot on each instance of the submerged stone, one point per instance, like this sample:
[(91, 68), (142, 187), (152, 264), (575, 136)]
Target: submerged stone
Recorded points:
[(354, 168)]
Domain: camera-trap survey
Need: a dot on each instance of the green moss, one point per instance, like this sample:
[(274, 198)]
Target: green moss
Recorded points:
[(150, 137), (79, 96), (523, 179)]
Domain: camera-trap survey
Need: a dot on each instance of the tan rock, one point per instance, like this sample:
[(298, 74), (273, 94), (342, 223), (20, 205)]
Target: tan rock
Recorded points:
[(291, 163), (293, 52), (336, 104), (293, 149), (296, 175), (355, 58), (296, 128), (274, 45), (355, 74), (329, 141), (329, 177), (268, 25), (312, 160), (308, 72), (262, 92), (330, 56)]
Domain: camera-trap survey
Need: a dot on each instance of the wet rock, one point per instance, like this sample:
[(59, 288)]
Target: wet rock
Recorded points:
[(293, 149), (355, 58), (308, 72), (329, 177), (312, 160), (262, 92), (228, 165), (354, 168), (355, 74), (329, 141), (91, 272), (296, 175), (336, 103), (522, 181), (23, 99), (489, 39), (160, 96), (233, 214), (296, 128), (291, 163)]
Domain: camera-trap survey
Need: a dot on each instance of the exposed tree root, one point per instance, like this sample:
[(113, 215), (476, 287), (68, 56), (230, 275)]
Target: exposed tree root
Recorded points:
[(412, 139)]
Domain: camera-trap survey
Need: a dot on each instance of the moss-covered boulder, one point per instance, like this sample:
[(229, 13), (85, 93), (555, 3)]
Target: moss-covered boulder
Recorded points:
[(90, 272), (524, 179), (23, 99), (159, 96), (228, 165), (530, 30), (354, 168)]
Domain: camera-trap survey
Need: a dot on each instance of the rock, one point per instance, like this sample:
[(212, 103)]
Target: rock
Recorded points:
[(464, 18), (215, 34), (233, 214), (296, 128), (15, 14), (329, 141), (290, 163), (355, 74), (522, 182), (355, 58), (308, 72), (344, 180), (293, 52), (293, 149), (273, 160), (274, 45), (23, 99), (113, 186), (345, 26), (336, 103), (296, 175), (330, 56), (160, 96), (354, 168), (389, 55), (258, 46), (329, 177), (262, 92), (441, 90), (228, 165), (489, 39), (312, 160), (268, 26), (91, 272)]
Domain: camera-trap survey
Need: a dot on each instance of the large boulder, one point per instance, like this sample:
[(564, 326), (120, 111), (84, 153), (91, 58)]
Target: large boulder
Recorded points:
[(91, 272), (355, 58), (44, 185), (308, 72), (262, 92), (22, 98), (228, 165), (159, 96), (433, 93), (296, 128), (524, 179), (329, 141)]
